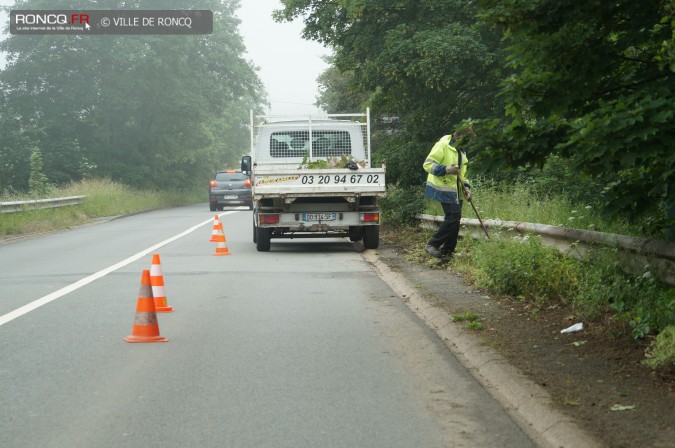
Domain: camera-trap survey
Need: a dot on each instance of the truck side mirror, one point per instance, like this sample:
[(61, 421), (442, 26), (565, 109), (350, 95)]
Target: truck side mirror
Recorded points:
[(246, 164)]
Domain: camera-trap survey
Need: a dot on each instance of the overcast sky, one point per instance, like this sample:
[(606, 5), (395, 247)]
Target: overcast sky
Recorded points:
[(288, 65)]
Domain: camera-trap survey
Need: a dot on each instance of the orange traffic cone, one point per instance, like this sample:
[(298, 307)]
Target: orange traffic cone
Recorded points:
[(157, 282), (216, 225), (221, 247), (145, 327), (219, 237)]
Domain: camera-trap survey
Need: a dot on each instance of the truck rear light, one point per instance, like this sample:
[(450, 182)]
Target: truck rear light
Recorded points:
[(247, 183), (213, 183), (265, 218), (370, 217)]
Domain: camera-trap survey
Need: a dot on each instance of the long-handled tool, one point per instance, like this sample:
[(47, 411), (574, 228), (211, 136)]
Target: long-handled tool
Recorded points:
[(468, 198), (460, 183)]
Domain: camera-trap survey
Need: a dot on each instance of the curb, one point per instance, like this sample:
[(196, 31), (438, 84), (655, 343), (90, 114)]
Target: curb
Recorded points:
[(530, 406)]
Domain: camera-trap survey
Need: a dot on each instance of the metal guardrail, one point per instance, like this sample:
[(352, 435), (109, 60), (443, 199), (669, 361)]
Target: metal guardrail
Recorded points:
[(36, 204), (636, 253)]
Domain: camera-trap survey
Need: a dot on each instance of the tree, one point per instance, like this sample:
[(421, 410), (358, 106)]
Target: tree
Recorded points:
[(38, 181), (15, 151), (425, 65), (593, 82), (152, 111), (338, 92)]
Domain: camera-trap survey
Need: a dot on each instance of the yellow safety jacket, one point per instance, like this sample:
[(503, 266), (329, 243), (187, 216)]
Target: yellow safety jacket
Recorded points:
[(440, 186)]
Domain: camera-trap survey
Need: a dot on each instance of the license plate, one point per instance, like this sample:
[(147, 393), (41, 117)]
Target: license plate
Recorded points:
[(229, 197), (318, 216)]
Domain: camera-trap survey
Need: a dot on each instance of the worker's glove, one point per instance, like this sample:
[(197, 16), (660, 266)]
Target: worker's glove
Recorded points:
[(452, 169), (467, 194)]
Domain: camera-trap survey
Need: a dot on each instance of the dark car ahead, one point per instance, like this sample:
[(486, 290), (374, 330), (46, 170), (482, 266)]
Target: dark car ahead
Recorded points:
[(230, 188)]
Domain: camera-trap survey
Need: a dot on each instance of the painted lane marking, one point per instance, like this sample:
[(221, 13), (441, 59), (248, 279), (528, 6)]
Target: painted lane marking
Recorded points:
[(85, 281)]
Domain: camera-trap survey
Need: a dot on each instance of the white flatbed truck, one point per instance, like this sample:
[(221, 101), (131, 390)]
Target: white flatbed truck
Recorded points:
[(296, 192)]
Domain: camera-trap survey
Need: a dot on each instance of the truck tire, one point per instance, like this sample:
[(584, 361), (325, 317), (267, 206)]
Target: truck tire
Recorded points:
[(212, 207), (371, 237), (263, 239), (355, 233)]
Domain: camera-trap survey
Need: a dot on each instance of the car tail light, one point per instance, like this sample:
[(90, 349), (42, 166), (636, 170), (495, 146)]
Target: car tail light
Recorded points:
[(247, 183), (213, 183), (370, 217), (268, 218)]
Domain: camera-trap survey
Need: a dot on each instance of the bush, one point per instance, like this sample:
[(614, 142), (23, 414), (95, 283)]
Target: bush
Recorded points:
[(599, 285), (38, 182), (596, 286), (661, 353), (526, 269), (401, 205), (555, 178), (647, 304)]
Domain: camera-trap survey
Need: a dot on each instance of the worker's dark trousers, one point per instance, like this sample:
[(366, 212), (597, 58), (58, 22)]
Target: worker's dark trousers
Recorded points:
[(445, 237)]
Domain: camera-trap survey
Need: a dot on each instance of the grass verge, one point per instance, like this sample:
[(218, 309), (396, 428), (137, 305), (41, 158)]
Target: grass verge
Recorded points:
[(103, 198), (515, 202), (595, 289)]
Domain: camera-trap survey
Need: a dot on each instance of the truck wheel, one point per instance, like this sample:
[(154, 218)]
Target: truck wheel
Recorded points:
[(371, 237), (263, 239), (212, 207)]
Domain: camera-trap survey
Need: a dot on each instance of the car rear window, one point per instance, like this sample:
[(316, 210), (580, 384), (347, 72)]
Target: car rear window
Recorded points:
[(231, 176)]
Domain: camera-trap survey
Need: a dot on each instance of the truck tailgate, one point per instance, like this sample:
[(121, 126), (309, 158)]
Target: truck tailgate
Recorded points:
[(366, 182)]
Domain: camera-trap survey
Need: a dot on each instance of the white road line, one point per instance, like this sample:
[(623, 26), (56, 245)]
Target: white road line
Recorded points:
[(85, 281)]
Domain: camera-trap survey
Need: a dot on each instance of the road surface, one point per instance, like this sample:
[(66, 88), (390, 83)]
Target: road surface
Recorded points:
[(302, 346)]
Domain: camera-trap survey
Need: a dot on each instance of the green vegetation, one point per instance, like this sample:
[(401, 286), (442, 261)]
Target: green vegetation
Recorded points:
[(524, 268), (595, 288), (472, 320), (569, 104), (37, 181), (662, 350), (149, 111), (330, 162), (515, 202), (103, 198), (591, 84), (401, 205)]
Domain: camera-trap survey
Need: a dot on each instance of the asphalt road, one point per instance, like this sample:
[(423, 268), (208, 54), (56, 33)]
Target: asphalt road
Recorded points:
[(302, 346)]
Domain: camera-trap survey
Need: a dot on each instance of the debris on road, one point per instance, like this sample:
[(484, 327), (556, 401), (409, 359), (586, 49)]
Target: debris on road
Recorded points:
[(573, 328)]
